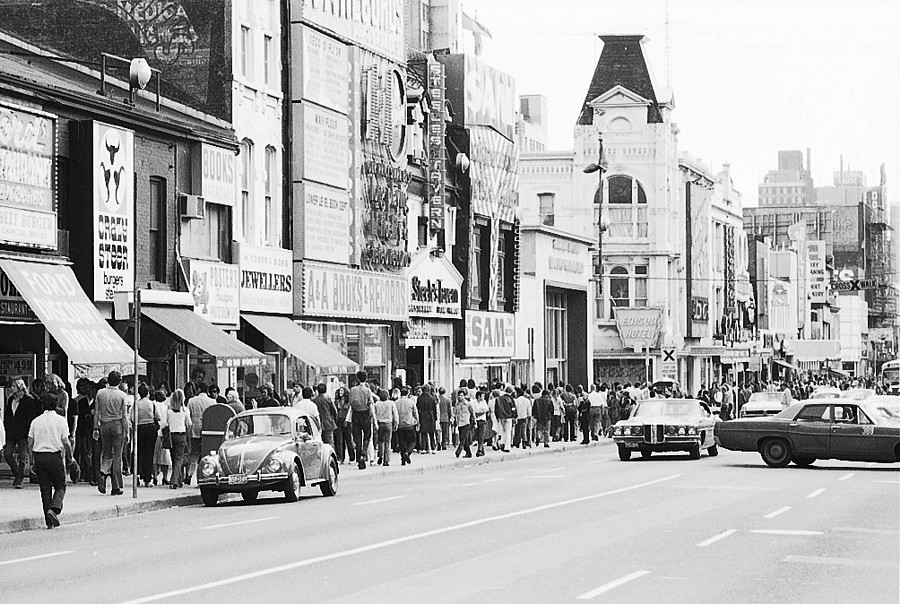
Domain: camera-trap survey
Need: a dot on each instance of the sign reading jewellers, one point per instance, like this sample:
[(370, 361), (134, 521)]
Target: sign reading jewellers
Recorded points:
[(340, 292), (267, 279), (373, 24), (27, 177)]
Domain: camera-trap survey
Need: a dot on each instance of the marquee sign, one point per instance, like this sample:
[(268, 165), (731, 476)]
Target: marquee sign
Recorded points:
[(437, 165)]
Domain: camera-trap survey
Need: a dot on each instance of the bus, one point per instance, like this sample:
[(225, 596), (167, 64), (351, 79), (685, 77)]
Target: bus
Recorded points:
[(889, 377)]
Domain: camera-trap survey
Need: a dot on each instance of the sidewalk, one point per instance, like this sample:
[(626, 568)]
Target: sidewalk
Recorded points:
[(20, 508)]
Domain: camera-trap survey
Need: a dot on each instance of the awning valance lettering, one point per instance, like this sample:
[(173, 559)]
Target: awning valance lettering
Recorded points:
[(299, 343)]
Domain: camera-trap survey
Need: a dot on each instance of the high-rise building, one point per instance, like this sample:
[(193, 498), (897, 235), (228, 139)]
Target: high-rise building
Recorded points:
[(790, 185)]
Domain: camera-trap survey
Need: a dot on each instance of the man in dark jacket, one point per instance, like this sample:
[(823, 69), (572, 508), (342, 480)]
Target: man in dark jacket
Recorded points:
[(327, 413), (506, 415), (542, 411), (426, 405), (19, 411)]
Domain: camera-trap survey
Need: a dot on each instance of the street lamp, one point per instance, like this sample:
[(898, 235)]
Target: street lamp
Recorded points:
[(602, 220)]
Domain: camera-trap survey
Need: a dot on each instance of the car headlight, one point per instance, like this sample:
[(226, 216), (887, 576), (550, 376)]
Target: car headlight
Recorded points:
[(627, 431), (207, 468), (671, 430), (636, 430), (692, 430), (274, 465), (617, 431)]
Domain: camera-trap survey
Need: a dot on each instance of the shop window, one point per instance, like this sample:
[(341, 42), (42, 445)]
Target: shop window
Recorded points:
[(618, 287), (247, 189), (272, 187), (556, 325), (547, 202), (626, 208), (157, 230), (218, 219)]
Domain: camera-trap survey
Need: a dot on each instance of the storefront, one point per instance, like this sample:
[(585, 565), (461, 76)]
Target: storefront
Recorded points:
[(488, 347), (434, 306)]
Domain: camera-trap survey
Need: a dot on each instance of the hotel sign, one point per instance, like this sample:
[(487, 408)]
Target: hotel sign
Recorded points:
[(638, 326)]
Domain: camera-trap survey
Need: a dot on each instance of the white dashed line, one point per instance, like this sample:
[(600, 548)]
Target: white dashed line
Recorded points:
[(846, 476), (815, 493), (589, 595), (548, 471), (790, 532), (887, 481), (380, 500), (590, 463), (715, 538), (778, 512), (40, 557), (216, 526)]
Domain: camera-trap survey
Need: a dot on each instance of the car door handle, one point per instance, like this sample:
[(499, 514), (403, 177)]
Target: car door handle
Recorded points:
[(794, 424)]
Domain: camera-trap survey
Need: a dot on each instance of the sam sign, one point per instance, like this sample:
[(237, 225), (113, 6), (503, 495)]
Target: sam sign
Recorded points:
[(639, 326), (113, 192), (490, 334)]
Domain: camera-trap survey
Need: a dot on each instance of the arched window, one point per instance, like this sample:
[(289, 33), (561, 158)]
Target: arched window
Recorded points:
[(618, 287), (247, 178), (626, 207), (625, 286)]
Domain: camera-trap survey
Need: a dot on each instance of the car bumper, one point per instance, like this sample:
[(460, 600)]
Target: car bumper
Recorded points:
[(253, 481), (671, 443)]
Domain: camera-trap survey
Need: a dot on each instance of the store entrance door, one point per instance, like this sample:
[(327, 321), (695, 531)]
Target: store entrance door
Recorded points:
[(415, 365)]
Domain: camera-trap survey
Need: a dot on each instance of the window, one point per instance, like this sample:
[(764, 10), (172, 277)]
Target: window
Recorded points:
[(627, 207), (556, 325), (246, 189), (218, 219), (501, 270), (246, 52), (618, 286), (481, 267), (814, 413), (475, 269), (640, 286), (272, 187), (422, 231), (268, 60), (600, 302), (546, 201), (157, 228)]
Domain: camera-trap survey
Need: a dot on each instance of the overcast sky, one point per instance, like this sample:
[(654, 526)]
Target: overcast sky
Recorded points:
[(750, 77)]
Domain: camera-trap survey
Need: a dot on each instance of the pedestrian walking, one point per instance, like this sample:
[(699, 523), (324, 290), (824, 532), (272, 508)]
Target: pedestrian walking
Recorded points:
[(306, 404), (361, 414), (87, 450), (445, 414), (598, 399), (407, 421), (343, 435), (48, 441), (111, 424), (19, 410), (148, 422), (233, 400), (465, 416), (542, 411), (162, 458), (505, 409), (388, 419), (178, 419), (584, 419), (480, 407), (197, 406), (327, 413)]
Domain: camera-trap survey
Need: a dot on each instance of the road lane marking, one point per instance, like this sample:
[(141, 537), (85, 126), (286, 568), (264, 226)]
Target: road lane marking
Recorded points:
[(39, 557), (216, 526), (815, 493), (390, 542), (846, 476), (778, 512), (867, 531), (590, 595), (599, 461), (546, 476), (473, 484), (718, 537), (887, 481), (841, 561), (796, 533), (380, 500), (548, 471)]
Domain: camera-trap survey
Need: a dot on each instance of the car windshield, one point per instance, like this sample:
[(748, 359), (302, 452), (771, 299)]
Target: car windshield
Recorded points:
[(682, 409), (774, 397), (272, 424)]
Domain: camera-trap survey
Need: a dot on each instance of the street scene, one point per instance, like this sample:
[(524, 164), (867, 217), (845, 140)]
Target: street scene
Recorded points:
[(404, 300)]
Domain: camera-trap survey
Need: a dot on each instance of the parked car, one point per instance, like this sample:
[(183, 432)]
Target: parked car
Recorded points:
[(823, 428), (859, 394), (270, 449), (886, 402), (762, 404), (666, 424), (826, 392)]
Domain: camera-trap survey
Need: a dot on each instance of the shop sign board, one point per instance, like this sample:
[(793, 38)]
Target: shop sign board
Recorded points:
[(566, 260), (437, 165), (15, 366), (326, 224), (480, 95), (384, 215), (376, 25), (27, 177), (638, 326), (267, 279), (490, 334), (113, 202), (217, 172), (342, 292), (215, 287), (324, 148), (326, 71), (815, 263), (435, 289), (13, 306), (493, 171)]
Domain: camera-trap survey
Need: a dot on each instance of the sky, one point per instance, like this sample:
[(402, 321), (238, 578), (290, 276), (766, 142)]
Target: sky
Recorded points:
[(750, 77)]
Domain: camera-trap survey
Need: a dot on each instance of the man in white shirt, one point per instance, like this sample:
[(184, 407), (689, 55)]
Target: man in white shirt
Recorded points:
[(523, 414), (597, 399), (306, 404), (48, 441)]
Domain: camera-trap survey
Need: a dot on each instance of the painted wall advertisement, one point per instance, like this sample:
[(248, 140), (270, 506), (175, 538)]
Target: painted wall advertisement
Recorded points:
[(325, 150), (325, 73), (267, 279), (490, 334), (486, 96), (215, 175), (27, 177), (437, 165), (373, 24), (326, 228), (638, 326), (698, 220), (113, 192), (215, 287), (815, 263), (339, 292)]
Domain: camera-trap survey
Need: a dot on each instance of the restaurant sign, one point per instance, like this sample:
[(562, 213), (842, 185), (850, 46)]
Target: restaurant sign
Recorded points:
[(435, 288), (638, 326)]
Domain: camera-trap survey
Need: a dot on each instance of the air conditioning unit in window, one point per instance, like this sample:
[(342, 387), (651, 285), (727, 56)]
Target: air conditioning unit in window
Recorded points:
[(192, 206)]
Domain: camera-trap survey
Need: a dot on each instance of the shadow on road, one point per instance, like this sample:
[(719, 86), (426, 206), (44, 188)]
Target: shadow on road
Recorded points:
[(890, 467)]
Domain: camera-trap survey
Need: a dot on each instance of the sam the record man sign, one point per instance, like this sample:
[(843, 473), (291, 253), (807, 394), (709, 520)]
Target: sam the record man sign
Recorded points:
[(113, 193)]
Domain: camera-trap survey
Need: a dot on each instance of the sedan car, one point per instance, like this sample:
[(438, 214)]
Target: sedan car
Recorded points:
[(814, 429), (666, 424), (271, 449), (762, 404), (826, 392)]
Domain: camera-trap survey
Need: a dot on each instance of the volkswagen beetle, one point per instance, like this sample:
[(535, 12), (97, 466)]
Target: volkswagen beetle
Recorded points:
[(666, 424), (271, 449)]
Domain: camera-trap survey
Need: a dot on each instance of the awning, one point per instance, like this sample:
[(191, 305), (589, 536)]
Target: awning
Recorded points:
[(299, 343), (839, 372), (53, 293), (184, 324), (785, 364)]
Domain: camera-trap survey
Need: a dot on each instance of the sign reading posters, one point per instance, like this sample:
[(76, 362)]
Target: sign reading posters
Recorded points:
[(267, 279), (113, 192), (638, 326), (27, 177), (340, 292), (215, 287), (490, 334)]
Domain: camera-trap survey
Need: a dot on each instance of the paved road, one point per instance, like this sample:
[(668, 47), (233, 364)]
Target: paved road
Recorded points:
[(566, 527)]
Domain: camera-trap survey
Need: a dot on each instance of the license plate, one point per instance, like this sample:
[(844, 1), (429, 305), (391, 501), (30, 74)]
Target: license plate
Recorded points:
[(237, 479), (631, 445)]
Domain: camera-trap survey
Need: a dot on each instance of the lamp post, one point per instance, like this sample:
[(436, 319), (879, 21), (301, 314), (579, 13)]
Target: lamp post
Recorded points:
[(602, 220)]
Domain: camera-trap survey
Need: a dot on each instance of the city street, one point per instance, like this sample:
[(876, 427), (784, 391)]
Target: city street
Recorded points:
[(576, 525)]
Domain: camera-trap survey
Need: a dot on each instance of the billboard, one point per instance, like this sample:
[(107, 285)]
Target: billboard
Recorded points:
[(490, 334), (27, 177), (480, 95), (698, 237), (493, 171), (341, 292), (376, 25), (437, 165), (815, 264), (113, 204)]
